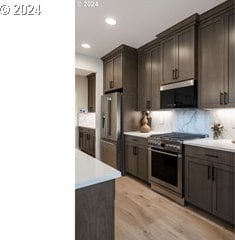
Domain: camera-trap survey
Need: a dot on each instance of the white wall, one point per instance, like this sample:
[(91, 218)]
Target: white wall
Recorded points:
[(94, 65), (81, 93)]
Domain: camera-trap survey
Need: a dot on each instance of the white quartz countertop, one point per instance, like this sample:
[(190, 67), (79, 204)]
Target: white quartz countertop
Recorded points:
[(219, 144), (140, 134), (90, 171)]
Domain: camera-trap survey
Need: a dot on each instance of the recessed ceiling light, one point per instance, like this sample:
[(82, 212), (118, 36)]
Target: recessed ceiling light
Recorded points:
[(85, 45), (110, 21)]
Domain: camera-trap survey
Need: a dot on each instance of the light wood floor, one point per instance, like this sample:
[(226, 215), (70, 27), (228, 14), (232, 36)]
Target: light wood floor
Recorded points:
[(141, 214)]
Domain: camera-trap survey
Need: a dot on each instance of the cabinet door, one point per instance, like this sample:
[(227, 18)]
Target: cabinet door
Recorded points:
[(91, 92), (156, 78), (142, 163), (144, 82), (108, 75), (223, 192), (185, 57), (92, 144), (87, 142), (117, 72), (230, 90), (81, 141), (198, 184), (131, 159), (168, 60), (211, 40)]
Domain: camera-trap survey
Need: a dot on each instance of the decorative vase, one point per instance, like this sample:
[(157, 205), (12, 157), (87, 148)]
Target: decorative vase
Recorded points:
[(215, 136), (145, 128)]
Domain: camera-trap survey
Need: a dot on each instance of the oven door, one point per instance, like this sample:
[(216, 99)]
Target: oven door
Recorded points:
[(165, 169)]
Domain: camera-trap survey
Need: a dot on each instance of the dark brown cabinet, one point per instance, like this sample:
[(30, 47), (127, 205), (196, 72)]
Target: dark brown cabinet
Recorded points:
[(94, 212), (87, 140), (91, 92), (216, 57), (120, 68), (149, 77), (210, 181), (113, 73), (136, 157), (198, 186), (179, 48)]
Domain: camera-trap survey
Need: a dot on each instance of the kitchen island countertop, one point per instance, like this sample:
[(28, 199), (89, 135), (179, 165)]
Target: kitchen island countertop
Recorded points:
[(90, 171)]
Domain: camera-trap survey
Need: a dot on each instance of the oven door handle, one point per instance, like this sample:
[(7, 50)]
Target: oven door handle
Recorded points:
[(170, 154)]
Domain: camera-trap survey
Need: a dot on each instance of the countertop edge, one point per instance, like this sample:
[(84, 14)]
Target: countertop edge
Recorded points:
[(97, 181), (203, 145)]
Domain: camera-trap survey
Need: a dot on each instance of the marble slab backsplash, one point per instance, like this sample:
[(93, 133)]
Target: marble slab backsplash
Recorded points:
[(194, 121), (86, 120)]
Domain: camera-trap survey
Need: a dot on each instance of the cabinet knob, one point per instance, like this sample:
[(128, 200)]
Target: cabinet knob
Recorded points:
[(173, 74)]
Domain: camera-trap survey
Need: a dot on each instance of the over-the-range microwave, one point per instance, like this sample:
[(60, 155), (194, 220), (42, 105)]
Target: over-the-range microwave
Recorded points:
[(179, 95)]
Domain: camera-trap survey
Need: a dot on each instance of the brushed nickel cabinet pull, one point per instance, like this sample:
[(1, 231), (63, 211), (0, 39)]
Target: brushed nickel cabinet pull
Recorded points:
[(111, 84), (221, 98), (176, 74), (210, 155), (226, 98), (173, 74), (208, 172), (213, 173)]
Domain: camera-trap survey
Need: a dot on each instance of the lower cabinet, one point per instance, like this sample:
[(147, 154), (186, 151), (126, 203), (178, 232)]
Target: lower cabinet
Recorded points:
[(87, 140), (136, 157), (209, 183)]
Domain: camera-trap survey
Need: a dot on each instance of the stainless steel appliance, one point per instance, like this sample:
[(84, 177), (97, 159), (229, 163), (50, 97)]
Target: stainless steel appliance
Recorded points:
[(111, 130), (166, 158), (179, 95)]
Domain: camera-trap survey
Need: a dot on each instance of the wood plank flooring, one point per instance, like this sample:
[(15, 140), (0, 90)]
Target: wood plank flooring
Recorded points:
[(141, 214)]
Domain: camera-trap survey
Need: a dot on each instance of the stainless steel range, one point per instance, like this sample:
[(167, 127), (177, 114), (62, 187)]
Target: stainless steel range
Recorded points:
[(166, 159)]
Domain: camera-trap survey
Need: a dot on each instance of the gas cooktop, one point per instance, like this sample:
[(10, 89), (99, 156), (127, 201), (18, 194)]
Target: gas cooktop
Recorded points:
[(177, 136), (171, 141)]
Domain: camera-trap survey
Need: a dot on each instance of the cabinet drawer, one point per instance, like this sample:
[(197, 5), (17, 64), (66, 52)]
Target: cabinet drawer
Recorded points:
[(212, 155), (139, 141)]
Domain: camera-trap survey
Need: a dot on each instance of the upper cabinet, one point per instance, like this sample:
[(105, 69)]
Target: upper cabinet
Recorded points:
[(115, 67), (149, 76), (179, 48), (91, 92), (216, 57)]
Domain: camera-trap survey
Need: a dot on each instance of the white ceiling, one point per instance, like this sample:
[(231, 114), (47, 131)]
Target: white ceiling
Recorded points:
[(138, 21)]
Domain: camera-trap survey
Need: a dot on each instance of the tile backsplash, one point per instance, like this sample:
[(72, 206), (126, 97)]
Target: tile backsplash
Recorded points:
[(194, 121), (86, 120)]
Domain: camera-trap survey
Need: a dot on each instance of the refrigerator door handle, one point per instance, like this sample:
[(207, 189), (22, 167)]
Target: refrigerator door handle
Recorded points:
[(109, 116), (103, 120)]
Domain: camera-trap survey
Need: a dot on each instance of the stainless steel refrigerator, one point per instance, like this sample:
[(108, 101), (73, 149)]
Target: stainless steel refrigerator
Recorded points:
[(111, 130)]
